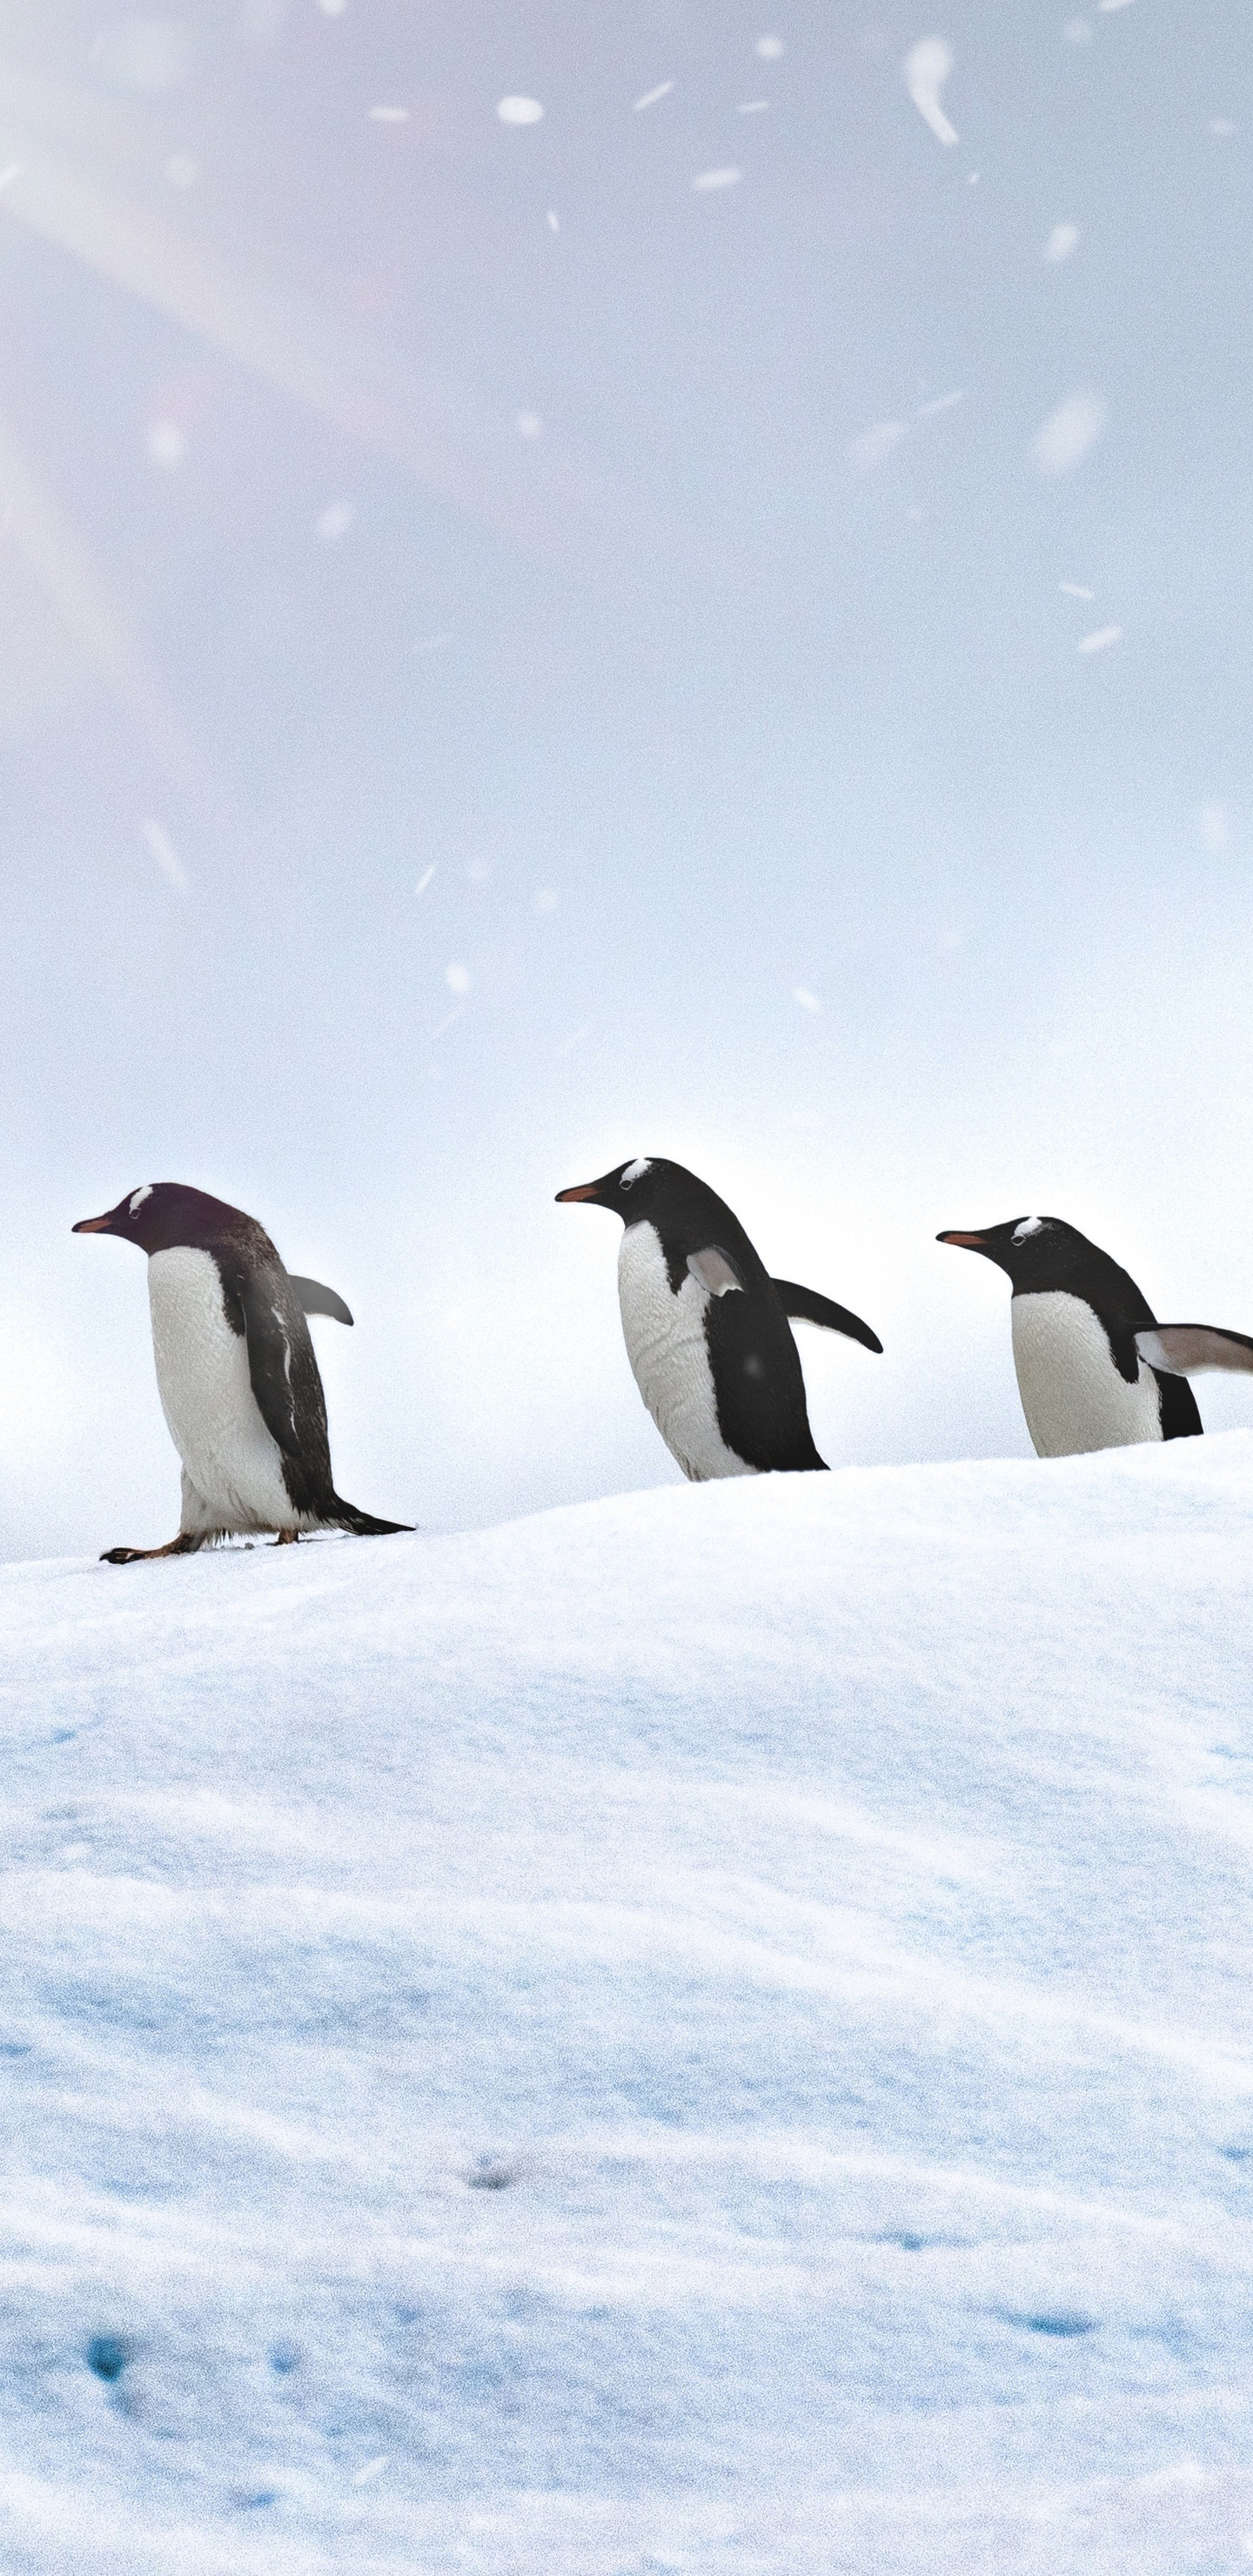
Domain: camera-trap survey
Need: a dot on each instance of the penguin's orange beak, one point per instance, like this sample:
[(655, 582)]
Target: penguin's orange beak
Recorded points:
[(585, 1190), (94, 1224), (969, 1242)]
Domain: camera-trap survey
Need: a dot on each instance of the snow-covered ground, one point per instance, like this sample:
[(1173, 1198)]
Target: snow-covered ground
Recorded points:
[(708, 2032)]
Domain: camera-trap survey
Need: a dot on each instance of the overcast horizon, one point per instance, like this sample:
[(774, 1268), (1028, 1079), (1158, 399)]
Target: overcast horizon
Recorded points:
[(701, 615)]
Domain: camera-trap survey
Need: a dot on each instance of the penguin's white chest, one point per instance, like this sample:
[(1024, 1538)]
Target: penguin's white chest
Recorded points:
[(232, 1467), (1072, 1395), (665, 1339)]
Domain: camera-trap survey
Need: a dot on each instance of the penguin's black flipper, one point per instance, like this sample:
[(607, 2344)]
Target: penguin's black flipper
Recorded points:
[(1188, 1350), (808, 1307), (317, 1300), (363, 1524)]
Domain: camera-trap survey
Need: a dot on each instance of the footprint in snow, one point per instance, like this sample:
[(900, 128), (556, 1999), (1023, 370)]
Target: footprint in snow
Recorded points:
[(490, 2175), (1065, 2323)]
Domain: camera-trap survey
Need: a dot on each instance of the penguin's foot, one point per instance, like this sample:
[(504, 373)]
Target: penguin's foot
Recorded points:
[(287, 1538), (185, 1544)]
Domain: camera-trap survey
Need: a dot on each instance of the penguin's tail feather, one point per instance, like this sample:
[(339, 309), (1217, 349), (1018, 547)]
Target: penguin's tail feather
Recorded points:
[(363, 1524)]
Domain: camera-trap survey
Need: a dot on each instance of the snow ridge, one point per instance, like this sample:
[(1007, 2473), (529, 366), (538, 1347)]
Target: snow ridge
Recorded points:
[(706, 2031)]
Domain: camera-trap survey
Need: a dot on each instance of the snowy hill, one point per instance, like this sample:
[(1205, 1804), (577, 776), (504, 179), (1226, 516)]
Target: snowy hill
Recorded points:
[(705, 2032)]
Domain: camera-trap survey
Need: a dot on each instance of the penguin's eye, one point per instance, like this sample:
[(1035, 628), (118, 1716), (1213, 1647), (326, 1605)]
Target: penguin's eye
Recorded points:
[(1030, 1225), (635, 1172), (138, 1198)]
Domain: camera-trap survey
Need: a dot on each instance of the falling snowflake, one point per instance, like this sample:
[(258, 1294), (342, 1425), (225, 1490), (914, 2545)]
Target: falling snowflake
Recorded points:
[(926, 68), (874, 444), (165, 854), (335, 521), (1069, 432), (166, 444)]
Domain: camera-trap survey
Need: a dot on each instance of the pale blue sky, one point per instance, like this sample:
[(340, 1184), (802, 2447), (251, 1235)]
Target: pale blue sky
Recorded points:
[(424, 492)]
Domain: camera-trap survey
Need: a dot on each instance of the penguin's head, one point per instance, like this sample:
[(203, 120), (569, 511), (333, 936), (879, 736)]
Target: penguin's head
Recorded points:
[(1036, 1252), (162, 1213), (631, 1192)]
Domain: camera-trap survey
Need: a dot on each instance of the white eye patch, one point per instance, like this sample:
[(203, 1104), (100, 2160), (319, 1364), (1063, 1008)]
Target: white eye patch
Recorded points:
[(136, 1201), (714, 1271), (635, 1171), (1030, 1225)]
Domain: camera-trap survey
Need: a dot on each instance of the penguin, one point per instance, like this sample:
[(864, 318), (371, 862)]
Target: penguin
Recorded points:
[(1074, 1318), (238, 1380), (707, 1329)]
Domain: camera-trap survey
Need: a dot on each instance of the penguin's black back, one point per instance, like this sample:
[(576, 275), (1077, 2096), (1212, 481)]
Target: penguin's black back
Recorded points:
[(1180, 1414), (759, 1387), (261, 1303)]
